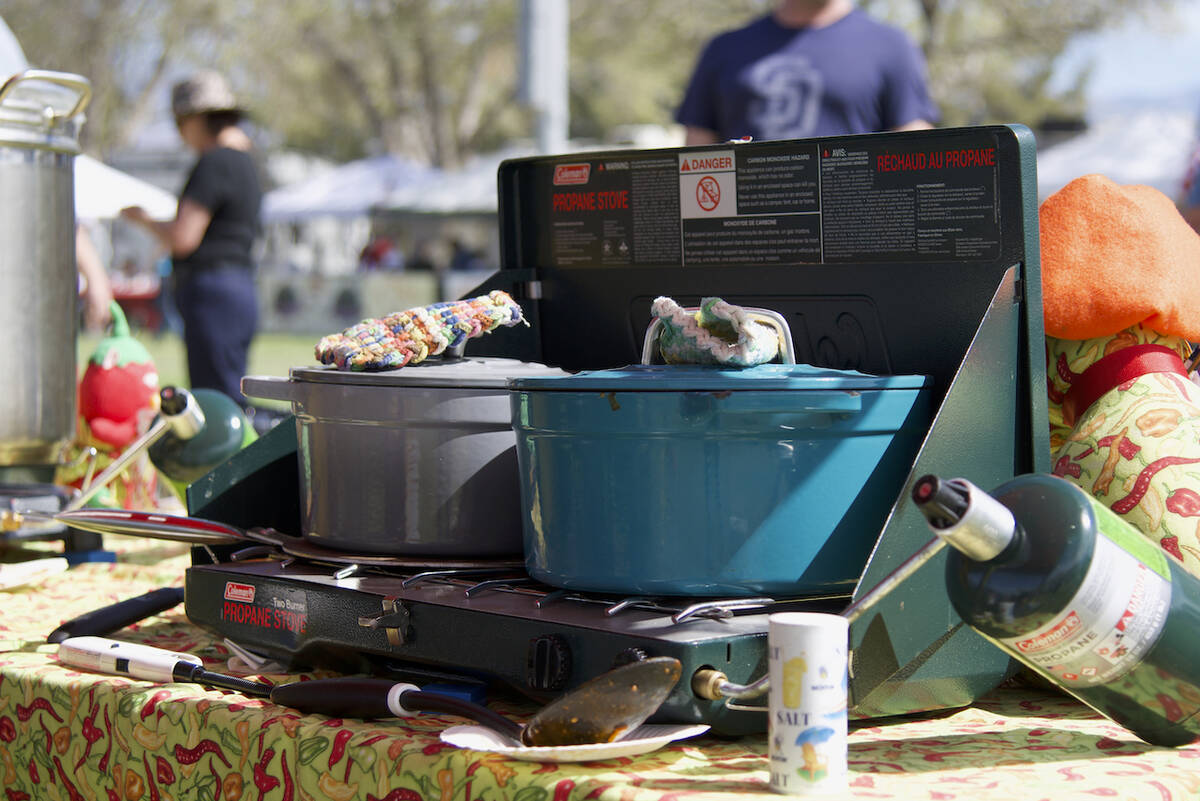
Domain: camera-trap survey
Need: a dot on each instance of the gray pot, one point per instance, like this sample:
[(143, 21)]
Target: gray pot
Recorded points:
[(419, 461), (39, 119)]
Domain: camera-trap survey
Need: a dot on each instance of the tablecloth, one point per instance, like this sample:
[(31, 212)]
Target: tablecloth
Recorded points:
[(67, 735)]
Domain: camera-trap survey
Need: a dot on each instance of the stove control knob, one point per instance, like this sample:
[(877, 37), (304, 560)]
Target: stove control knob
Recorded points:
[(628, 656), (549, 663)]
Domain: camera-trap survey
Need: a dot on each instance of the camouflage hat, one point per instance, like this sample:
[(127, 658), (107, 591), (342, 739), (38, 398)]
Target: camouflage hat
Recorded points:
[(202, 93)]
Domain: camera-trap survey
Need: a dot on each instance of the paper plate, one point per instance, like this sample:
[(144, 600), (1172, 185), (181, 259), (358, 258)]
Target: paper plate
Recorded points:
[(641, 740)]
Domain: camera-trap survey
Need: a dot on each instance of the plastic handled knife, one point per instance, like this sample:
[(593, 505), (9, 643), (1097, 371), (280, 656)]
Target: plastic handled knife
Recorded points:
[(118, 615), (149, 663)]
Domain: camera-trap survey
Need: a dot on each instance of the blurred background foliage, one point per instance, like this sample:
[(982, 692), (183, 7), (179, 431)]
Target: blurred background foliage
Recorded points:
[(437, 79)]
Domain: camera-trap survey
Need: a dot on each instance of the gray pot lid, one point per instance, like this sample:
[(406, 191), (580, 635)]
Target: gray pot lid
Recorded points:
[(692, 378), (484, 373)]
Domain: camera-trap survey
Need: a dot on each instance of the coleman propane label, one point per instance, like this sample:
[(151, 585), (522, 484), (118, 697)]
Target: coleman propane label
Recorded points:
[(1108, 626), (279, 609), (787, 203)]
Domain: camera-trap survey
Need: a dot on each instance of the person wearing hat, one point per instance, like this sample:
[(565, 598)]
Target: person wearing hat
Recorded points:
[(210, 238)]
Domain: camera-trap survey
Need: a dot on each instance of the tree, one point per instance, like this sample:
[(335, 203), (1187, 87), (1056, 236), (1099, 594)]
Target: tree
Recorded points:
[(436, 79), (631, 59), (424, 78), (991, 62), (123, 47)]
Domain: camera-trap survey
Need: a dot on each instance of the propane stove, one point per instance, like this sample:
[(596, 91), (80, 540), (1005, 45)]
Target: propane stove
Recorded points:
[(892, 254), (490, 624)]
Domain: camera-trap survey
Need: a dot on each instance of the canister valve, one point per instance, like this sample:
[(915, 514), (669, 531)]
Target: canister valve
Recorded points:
[(180, 416)]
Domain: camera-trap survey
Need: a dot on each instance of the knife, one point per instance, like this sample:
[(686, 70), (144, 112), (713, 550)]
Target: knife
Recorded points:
[(119, 615), (135, 523)]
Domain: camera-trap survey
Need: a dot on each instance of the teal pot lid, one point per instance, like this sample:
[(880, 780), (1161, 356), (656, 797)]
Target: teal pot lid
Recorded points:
[(705, 378)]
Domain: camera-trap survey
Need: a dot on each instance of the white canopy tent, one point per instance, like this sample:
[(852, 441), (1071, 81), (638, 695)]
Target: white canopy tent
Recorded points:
[(102, 191), (349, 190), (471, 188), (1150, 147)]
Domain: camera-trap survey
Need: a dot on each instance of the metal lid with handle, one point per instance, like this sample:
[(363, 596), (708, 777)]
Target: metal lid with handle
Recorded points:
[(42, 108)]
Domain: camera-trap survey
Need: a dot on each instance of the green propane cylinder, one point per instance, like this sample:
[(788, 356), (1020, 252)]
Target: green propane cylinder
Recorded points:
[(1060, 582)]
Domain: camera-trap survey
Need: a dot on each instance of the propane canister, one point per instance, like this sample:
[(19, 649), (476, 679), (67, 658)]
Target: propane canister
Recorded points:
[(1060, 582)]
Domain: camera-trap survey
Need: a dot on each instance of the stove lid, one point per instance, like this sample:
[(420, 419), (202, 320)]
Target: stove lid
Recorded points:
[(693, 378), (483, 373)]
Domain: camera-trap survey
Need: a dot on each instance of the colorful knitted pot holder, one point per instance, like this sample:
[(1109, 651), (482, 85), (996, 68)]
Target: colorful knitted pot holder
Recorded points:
[(411, 336)]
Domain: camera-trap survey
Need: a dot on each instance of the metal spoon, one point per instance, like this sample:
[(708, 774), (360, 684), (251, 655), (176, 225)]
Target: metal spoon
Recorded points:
[(598, 711)]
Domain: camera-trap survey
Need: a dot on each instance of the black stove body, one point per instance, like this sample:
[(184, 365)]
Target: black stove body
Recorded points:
[(465, 626)]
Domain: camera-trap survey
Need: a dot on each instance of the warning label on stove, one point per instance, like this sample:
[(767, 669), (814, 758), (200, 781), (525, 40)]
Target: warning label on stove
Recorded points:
[(616, 212), (281, 609), (934, 204), (833, 201), (707, 185), (775, 239)]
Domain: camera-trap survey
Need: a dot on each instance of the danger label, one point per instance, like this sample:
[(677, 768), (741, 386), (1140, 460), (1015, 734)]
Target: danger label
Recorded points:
[(709, 162), (707, 184)]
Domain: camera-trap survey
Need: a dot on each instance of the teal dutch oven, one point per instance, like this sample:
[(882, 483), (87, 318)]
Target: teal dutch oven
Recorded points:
[(712, 481)]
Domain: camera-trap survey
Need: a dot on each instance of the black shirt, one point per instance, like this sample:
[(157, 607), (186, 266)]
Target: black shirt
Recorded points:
[(224, 181)]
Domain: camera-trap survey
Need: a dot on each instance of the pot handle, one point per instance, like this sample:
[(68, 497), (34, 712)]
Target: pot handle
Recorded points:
[(799, 401), (267, 387), (65, 79), (768, 316)]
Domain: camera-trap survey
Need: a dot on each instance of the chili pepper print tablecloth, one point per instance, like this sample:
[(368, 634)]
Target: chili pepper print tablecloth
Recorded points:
[(67, 735)]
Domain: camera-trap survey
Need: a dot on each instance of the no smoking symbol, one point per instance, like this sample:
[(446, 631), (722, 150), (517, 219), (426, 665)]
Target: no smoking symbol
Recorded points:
[(708, 193)]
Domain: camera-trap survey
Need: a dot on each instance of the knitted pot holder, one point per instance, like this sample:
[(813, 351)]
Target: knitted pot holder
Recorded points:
[(716, 333), (413, 335)]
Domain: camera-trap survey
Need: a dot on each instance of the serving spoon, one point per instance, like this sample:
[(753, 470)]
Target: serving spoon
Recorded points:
[(598, 711)]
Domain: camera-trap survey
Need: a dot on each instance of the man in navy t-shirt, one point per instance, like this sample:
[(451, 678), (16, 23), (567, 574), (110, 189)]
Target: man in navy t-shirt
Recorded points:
[(812, 68)]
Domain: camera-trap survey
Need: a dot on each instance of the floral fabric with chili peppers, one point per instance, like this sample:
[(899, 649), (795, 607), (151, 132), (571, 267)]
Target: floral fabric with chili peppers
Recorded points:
[(1137, 448), (68, 735)]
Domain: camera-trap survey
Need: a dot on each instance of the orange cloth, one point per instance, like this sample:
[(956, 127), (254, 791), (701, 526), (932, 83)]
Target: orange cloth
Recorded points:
[(1114, 256)]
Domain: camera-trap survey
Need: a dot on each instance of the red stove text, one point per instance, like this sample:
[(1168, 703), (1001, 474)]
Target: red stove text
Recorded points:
[(967, 157), (281, 618), (591, 201)]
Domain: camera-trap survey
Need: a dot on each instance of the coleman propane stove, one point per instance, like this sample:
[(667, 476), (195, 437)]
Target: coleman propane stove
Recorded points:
[(489, 625), (890, 254)]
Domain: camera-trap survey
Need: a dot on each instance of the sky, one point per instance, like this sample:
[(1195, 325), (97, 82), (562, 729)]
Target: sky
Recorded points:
[(1143, 63), (1143, 105)]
